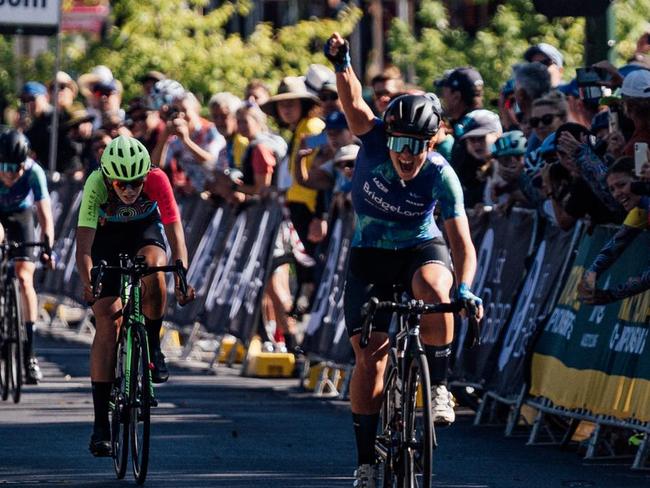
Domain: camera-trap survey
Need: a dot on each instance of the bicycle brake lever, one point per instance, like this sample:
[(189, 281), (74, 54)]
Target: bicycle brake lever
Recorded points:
[(368, 313), (182, 277)]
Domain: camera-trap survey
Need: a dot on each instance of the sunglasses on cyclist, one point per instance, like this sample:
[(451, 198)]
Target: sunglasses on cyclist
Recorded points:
[(9, 167), (399, 143), (544, 119), (123, 185)]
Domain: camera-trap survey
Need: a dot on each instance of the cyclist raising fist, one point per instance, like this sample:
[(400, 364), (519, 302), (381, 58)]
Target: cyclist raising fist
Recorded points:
[(398, 180), (125, 208)]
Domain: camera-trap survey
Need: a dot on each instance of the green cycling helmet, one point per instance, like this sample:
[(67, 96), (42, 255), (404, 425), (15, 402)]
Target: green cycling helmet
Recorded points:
[(125, 158), (511, 143)]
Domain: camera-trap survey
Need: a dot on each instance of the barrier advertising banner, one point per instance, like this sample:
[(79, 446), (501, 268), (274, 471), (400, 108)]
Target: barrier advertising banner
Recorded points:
[(534, 304), (326, 335), (598, 357), (501, 267)]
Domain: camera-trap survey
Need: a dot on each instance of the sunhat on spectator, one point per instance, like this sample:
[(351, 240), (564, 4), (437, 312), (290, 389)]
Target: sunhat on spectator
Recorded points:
[(550, 52), (346, 153), (152, 76), (636, 84), (63, 78), (480, 123), (33, 89), (78, 116), (317, 76), (99, 74), (336, 120), (291, 88)]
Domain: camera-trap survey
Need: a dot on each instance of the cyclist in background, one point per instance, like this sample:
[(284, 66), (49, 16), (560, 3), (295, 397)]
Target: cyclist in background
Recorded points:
[(397, 182), (22, 186), (125, 208)]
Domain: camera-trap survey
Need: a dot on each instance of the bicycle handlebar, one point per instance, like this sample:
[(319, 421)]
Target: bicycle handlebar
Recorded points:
[(415, 307), (140, 270)]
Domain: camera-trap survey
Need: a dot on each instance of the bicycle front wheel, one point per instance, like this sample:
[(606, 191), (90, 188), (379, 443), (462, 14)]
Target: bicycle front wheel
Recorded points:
[(15, 341), (120, 409), (387, 445), (418, 425), (141, 400)]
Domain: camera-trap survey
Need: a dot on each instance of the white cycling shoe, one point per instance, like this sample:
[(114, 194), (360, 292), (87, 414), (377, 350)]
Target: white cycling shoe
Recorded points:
[(365, 476), (442, 405)]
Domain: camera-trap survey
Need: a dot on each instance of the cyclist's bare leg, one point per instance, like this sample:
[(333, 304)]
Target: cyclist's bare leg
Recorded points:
[(432, 283), (25, 275), (366, 386), (280, 294), (367, 380), (29, 306), (154, 298), (154, 301), (108, 317)]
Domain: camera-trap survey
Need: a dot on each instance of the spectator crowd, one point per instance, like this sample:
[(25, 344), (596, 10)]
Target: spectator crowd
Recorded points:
[(567, 149)]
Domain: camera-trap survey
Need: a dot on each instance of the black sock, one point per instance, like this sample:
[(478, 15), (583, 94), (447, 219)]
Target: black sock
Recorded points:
[(365, 431), (290, 341), (153, 332), (29, 342), (101, 397), (438, 359)]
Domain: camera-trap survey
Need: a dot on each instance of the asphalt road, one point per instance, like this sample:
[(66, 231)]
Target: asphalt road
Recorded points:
[(229, 431)]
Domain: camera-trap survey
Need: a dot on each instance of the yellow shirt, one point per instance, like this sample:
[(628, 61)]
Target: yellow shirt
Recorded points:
[(298, 193), (239, 145)]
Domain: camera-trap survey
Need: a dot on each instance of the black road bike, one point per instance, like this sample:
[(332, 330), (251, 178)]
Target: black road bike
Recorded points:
[(12, 327), (132, 395), (406, 437)]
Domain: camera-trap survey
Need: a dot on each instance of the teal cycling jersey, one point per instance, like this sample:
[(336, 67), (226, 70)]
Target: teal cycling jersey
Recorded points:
[(29, 188), (396, 214)]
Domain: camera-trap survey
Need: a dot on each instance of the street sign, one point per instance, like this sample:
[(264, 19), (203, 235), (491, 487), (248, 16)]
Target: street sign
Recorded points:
[(38, 17)]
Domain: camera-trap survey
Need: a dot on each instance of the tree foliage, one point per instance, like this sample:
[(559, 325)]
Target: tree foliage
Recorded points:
[(501, 44), (187, 42)]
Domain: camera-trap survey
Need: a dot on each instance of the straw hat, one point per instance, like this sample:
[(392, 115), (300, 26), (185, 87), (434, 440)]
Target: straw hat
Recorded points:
[(99, 74), (78, 115), (291, 88)]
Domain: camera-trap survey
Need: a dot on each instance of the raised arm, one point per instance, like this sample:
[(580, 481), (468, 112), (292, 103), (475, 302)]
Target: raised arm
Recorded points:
[(357, 112)]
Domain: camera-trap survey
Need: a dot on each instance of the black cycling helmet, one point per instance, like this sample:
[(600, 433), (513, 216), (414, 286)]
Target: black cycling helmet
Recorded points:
[(14, 148), (414, 115)]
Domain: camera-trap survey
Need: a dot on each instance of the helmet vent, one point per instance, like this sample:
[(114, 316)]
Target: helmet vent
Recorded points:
[(115, 170)]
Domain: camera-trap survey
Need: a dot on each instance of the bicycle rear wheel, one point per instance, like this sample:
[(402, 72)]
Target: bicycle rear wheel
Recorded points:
[(120, 409), (418, 425), (141, 401), (387, 446), (14, 341)]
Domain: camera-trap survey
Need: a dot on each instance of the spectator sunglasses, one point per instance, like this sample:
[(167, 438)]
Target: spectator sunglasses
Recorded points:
[(545, 119), (399, 143)]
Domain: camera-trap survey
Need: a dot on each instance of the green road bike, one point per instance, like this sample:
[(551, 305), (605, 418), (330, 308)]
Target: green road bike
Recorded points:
[(132, 395), (12, 327)]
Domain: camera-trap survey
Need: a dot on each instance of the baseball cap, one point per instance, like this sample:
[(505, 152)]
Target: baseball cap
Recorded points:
[(33, 88), (336, 120), (479, 123), (465, 80), (636, 84), (547, 50), (600, 121), (317, 76), (570, 88)]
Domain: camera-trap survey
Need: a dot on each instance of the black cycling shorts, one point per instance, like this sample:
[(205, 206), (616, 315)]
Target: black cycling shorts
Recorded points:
[(373, 272), (115, 238), (19, 227)]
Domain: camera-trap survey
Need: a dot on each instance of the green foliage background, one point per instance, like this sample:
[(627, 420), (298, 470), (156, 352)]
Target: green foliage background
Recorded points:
[(515, 26), (177, 38)]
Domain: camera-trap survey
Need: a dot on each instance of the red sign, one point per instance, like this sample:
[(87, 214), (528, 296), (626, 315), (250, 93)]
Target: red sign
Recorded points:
[(84, 16)]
